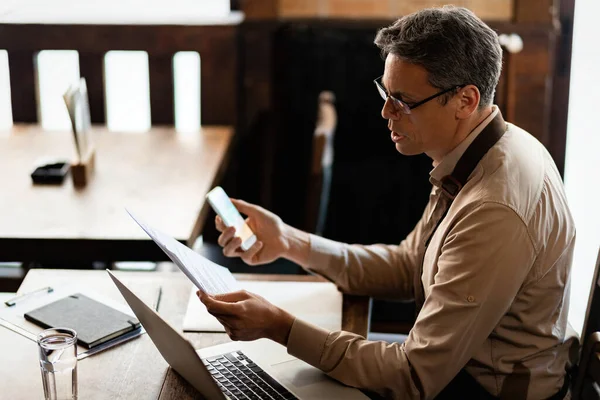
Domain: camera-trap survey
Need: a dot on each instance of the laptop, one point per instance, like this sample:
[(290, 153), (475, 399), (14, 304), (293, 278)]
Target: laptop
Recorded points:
[(237, 370)]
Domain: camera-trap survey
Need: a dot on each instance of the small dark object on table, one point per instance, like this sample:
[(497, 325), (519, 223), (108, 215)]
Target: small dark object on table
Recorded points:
[(53, 173)]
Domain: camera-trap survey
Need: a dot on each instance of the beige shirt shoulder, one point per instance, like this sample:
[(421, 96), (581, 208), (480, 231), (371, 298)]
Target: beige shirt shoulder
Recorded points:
[(496, 281)]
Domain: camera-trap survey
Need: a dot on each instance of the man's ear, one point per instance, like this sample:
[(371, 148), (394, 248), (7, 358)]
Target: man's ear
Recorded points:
[(468, 99)]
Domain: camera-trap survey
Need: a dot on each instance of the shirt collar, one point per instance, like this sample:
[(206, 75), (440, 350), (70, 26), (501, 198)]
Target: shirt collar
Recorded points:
[(446, 166)]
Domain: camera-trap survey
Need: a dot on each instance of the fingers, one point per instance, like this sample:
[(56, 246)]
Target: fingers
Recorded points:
[(201, 295), (230, 250), (217, 307), (229, 332), (232, 297), (220, 225), (230, 242), (250, 256), (244, 207), (226, 236), (235, 333), (222, 312)]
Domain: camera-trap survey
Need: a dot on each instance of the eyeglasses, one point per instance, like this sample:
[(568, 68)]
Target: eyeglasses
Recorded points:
[(407, 107)]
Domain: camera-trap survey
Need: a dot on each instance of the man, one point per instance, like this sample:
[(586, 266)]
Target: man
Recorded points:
[(488, 263)]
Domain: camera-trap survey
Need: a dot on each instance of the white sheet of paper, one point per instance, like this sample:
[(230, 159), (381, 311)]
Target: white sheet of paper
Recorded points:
[(319, 303), (205, 274)]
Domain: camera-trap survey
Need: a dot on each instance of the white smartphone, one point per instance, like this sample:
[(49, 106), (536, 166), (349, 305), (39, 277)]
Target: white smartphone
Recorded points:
[(220, 202)]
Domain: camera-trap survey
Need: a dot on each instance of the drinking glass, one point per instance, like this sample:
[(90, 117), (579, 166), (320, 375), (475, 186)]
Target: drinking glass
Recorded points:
[(58, 363)]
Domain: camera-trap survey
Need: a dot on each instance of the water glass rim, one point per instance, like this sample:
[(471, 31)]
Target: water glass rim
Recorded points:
[(70, 334)]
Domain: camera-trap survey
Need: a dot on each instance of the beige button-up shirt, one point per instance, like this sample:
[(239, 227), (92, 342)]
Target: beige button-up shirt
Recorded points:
[(496, 281)]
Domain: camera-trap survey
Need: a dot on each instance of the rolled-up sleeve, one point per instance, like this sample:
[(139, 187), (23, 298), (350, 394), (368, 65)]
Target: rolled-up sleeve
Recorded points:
[(482, 265), (382, 271)]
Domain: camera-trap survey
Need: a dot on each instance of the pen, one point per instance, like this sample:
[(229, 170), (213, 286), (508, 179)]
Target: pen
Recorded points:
[(158, 298), (15, 300)]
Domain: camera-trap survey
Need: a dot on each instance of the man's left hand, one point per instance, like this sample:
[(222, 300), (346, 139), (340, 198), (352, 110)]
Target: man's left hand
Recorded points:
[(247, 316)]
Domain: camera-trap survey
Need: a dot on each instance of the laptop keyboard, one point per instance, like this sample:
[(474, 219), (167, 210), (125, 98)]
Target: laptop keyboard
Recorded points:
[(240, 379)]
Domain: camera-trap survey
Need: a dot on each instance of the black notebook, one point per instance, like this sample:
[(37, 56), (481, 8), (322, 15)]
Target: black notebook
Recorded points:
[(94, 322)]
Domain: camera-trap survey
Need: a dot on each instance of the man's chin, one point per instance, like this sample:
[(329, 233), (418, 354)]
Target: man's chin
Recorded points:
[(403, 149)]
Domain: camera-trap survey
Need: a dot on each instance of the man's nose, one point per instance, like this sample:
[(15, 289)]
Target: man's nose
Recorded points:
[(389, 111)]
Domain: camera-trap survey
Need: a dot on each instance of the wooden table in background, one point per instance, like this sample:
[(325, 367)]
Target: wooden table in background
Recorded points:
[(134, 370), (160, 175)]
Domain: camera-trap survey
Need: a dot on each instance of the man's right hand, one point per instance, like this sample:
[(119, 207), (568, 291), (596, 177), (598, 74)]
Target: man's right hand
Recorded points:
[(269, 229)]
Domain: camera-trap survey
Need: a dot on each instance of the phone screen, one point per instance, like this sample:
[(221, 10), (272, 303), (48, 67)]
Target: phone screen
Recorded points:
[(228, 213)]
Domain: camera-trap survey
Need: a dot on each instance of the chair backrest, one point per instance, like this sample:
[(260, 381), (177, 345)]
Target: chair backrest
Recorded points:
[(587, 380), (215, 41), (319, 184)]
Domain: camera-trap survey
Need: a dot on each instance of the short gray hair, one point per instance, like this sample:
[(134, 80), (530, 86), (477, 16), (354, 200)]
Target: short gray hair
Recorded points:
[(453, 45)]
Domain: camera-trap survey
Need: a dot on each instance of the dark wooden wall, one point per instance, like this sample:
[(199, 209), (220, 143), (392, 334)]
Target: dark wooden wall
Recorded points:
[(286, 65)]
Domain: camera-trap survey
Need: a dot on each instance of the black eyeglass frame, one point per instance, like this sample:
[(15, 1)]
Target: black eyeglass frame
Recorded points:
[(404, 106)]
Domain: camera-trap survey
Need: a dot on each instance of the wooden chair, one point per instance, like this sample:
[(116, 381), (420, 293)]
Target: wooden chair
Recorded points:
[(586, 382), (586, 386), (319, 184), (215, 41), (317, 198)]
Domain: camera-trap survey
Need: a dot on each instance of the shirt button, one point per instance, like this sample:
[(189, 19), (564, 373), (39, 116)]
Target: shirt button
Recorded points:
[(470, 299)]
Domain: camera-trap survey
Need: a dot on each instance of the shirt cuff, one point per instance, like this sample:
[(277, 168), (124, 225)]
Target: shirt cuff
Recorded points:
[(322, 251), (307, 342)]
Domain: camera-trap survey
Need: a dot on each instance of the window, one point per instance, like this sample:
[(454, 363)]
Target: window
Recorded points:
[(581, 165)]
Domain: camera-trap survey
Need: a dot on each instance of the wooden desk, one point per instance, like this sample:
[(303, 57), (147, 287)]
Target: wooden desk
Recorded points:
[(134, 370), (160, 175)]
